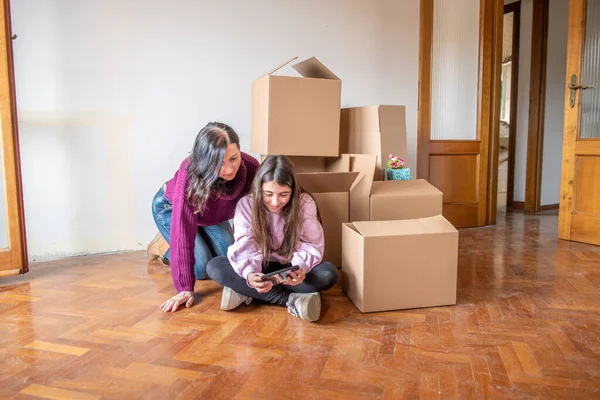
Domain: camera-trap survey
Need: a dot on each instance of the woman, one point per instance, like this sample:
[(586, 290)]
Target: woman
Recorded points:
[(193, 209), (276, 226)]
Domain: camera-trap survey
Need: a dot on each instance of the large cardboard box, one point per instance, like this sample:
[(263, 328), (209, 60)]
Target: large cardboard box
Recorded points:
[(377, 130), (296, 115), (389, 265), (389, 200), (331, 191)]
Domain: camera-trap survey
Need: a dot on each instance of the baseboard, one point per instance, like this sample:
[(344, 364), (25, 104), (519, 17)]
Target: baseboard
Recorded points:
[(518, 205)]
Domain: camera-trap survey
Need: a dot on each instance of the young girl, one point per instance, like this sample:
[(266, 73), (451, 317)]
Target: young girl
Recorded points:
[(277, 225), (193, 209)]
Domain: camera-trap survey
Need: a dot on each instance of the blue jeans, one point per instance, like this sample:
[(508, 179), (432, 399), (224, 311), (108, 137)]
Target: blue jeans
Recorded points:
[(211, 241)]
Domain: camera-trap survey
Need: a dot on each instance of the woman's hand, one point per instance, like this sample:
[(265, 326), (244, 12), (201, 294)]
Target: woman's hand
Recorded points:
[(254, 280), (174, 302), (295, 278)]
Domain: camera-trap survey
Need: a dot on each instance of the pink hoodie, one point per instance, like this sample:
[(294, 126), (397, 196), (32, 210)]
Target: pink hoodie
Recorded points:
[(245, 255)]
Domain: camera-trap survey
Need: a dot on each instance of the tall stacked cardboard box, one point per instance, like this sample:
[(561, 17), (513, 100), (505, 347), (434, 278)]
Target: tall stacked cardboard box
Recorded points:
[(377, 130), (300, 116), (380, 232)]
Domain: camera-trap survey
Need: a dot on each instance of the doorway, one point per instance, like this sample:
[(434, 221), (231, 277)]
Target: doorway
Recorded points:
[(530, 132), (508, 105)]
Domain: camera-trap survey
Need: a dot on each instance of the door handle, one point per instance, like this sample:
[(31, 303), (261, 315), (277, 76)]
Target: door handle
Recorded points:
[(573, 86), (579, 87)]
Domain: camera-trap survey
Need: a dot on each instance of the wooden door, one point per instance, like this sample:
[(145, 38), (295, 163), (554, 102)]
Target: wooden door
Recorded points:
[(459, 82), (579, 214), (13, 251)]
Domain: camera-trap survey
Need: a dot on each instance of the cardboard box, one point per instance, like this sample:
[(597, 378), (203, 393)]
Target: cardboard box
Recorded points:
[(396, 200), (321, 164), (304, 164), (329, 180), (331, 192), (296, 115), (377, 130), (389, 200), (389, 265)]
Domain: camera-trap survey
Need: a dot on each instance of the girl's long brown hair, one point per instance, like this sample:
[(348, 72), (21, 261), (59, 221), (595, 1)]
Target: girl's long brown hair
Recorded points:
[(278, 169)]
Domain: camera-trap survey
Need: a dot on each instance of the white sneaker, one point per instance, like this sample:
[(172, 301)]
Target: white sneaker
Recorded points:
[(305, 305), (231, 299)]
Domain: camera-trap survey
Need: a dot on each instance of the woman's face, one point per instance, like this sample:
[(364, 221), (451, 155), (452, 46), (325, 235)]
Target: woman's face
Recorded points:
[(274, 196), (231, 162)]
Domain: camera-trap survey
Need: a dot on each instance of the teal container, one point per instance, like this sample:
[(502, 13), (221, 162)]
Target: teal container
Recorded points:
[(402, 174)]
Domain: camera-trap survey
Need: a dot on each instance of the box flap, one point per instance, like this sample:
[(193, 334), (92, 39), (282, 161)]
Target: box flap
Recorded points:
[(421, 226), (364, 119), (327, 182), (413, 187), (361, 189), (392, 118), (304, 164), (312, 68), (338, 164), (392, 125), (280, 66)]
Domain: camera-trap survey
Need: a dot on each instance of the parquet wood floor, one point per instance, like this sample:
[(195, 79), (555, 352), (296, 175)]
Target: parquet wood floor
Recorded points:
[(527, 325)]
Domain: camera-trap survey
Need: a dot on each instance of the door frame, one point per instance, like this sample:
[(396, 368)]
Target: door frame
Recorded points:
[(515, 8), (537, 105), (14, 259), (497, 22), (485, 146), (535, 129)]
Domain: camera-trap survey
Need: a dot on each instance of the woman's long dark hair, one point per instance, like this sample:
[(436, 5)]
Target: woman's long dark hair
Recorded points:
[(205, 163), (278, 169)]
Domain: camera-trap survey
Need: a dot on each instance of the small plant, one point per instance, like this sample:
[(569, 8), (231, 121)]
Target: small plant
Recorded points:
[(395, 162)]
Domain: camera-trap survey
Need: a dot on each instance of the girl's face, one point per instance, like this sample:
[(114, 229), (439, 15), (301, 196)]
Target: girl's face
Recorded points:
[(231, 162), (274, 196)]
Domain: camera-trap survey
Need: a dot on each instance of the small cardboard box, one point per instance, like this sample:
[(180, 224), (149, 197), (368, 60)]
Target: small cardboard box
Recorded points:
[(389, 200), (377, 130), (389, 265), (395, 200), (331, 192), (296, 115)]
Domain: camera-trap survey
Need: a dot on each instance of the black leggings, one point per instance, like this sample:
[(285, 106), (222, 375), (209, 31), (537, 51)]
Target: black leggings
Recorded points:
[(322, 277)]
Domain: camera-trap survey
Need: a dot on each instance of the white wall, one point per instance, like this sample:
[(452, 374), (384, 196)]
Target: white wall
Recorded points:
[(523, 99), (555, 97), (112, 93), (556, 70)]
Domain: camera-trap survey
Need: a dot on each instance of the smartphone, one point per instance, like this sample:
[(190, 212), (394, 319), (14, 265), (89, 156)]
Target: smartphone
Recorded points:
[(280, 275)]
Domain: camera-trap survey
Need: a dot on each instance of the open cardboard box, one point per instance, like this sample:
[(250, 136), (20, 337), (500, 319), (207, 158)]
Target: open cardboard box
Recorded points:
[(330, 184), (296, 115), (389, 265), (377, 200), (389, 200), (378, 130), (345, 191)]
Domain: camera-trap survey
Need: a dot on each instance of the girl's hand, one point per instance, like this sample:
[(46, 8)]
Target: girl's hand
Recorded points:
[(295, 278), (254, 280), (174, 302)]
